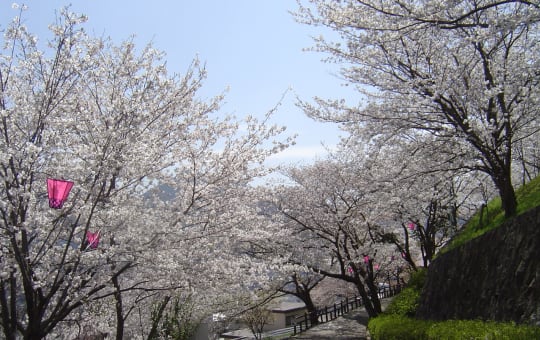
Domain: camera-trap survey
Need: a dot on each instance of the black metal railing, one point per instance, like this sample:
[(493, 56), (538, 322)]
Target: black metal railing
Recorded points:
[(329, 313)]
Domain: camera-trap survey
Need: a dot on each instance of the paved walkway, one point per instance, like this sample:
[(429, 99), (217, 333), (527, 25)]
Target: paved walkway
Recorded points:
[(351, 326)]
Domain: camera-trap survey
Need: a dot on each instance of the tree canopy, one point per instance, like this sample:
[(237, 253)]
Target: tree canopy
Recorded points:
[(463, 76), (157, 174)]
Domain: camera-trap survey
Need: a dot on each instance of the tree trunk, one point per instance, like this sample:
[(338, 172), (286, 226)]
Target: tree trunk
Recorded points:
[(368, 304), (156, 318), (8, 317), (33, 331), (312, 311), (119, 310), (373, 290), (508, 195), (374, 297)]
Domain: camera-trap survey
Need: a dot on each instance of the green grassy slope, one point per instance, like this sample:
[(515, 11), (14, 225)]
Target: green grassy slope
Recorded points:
[(492, 216), (398, 321)]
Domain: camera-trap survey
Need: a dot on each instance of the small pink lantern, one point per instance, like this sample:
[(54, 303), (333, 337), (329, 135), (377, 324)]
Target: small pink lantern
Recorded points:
[(58, 190), (377, 267), (411, 226), (350, 270), (92, 240), (366, 259)]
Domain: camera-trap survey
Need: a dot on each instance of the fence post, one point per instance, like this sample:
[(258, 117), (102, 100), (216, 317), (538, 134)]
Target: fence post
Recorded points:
[(326, 312)]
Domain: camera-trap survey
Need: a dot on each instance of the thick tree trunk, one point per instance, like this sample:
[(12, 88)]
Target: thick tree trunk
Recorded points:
[(119, 310), (507, 193), (368, 304), (34, 331), (8, 317), (374, 296), (312, 311), (373, 291)]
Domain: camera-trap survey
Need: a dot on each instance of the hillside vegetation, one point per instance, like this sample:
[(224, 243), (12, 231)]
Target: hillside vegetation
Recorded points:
[(492, 215), (398, 321)]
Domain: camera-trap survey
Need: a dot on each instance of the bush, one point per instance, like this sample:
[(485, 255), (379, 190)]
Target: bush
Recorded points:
[(397, 327), (406, 302), (176, 321), (418, 278)]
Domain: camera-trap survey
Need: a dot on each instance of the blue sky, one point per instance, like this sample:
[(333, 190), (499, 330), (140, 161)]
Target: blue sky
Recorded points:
[(253, 47)]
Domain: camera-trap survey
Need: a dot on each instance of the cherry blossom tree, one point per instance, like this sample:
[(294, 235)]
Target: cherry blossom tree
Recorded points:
[(426, 217), (420, 214), (157, 173), (301, 285), (527, 160), (464, 74), (256, 319), (325, 219), (364, 215), (277, 246)]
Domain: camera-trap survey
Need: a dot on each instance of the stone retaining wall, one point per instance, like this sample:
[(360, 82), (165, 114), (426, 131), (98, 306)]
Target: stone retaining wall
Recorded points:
[(493, 277)]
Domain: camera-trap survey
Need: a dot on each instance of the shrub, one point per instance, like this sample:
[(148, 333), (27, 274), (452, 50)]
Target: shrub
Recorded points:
[(406, 302), (418, 278), (397, 327), (176, 321)]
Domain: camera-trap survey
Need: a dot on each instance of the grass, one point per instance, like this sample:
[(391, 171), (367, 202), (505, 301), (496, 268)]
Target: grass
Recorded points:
[(492, 216), (400, 327)]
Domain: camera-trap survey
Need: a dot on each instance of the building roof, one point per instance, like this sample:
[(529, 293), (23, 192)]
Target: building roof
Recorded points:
[(285, 307)]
